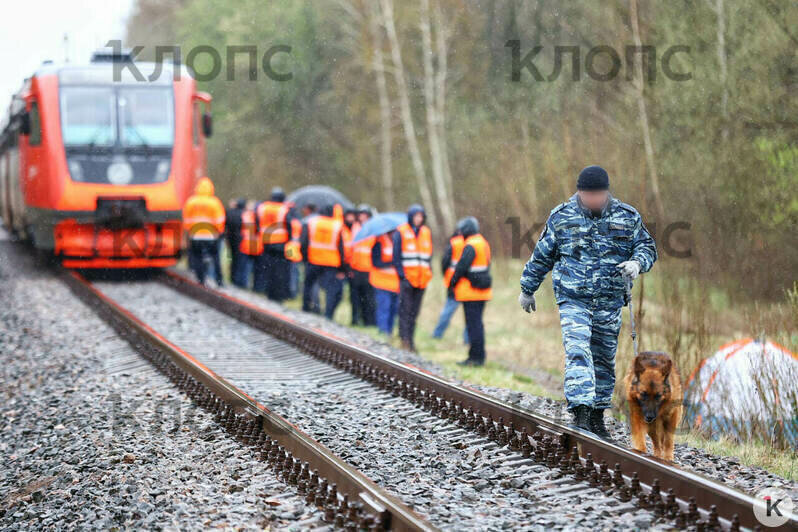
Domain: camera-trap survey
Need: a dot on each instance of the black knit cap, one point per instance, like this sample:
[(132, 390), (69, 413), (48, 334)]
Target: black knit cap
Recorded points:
[(593, 178)]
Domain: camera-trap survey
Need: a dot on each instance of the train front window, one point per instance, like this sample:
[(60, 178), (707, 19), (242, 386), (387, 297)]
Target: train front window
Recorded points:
[(88, 116), (146, 117)]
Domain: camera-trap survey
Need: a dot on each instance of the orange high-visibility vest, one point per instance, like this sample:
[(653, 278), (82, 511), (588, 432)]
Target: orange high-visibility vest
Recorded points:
[(293, 249), (251, 243), (361, 254), (463, 291), (324, 233), (416, 254), (385, 278), (271, 216), (457, 243), (348, 234), (203, 213)]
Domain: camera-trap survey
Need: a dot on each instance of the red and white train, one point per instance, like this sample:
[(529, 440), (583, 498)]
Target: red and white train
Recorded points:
[(95, 165)]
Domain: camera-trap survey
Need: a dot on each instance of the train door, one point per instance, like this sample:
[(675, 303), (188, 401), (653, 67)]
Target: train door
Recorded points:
[(202, 128), (32, 160)]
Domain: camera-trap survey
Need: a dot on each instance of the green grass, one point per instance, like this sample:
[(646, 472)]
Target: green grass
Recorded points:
[(783, 464)]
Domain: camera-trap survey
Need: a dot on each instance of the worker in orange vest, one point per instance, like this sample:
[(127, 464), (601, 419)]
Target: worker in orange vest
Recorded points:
[(361, 292), (306, 212), (471, 285), (448, 263), (385, 281), (251, 245), (274, 219), (203, 221), (412, 253), (322, 247)]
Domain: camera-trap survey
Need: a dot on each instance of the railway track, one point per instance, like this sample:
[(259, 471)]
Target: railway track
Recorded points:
[(531, 464)]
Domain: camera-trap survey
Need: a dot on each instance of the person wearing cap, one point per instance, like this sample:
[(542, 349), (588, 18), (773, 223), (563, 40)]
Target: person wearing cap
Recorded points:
[(470, 284), (592, 243)]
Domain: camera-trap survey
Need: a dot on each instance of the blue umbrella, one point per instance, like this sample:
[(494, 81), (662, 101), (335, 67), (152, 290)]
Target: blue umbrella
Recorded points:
[(380, 224)]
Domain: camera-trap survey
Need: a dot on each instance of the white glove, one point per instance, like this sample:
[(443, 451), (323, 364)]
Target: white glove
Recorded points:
[(630, 269), (527, 302)]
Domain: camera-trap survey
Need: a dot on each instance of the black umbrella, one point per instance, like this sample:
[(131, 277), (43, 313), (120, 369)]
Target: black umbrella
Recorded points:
[(318, 195)]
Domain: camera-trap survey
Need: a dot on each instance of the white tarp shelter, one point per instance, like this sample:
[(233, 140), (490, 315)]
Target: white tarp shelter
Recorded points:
[(747, 387)]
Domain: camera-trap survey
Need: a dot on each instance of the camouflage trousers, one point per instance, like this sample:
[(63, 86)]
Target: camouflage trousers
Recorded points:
[(590, 338)]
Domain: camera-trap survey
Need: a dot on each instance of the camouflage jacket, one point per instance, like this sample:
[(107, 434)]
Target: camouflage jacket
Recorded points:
[(584, 251)]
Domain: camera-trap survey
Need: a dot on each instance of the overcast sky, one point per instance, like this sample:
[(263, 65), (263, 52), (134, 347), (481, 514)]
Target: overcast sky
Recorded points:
[(33, 30)]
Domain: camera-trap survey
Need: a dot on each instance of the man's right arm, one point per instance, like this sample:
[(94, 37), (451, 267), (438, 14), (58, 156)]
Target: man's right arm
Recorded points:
[(542, 260)]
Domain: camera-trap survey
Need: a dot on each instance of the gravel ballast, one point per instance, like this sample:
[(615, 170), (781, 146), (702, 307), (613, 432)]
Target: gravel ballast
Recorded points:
[(728, 470), (93, 438)]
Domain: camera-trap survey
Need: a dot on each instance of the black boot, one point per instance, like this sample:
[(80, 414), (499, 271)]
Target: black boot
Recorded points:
[(581, 415), (597, 424)]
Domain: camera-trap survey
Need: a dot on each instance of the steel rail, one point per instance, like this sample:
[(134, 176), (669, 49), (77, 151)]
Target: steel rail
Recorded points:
[(685, 496), (331, 485)]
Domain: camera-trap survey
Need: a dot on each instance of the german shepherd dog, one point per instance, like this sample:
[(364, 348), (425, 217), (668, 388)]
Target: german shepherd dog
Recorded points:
[(654, 392)]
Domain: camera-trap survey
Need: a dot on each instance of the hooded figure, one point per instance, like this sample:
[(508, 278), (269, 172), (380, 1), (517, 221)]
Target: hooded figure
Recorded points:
[(203, 213), (470, 284), (203, 220), (412, 253), (468, 226), (411, 213)]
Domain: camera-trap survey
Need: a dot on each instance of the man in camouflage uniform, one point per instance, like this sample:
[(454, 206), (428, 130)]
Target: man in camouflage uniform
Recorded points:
[(593, 242)]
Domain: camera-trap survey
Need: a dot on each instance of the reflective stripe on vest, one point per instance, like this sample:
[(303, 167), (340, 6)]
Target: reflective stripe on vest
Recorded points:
[(251, 244), (361, 254), (271, 216), (416, 254), (203, 217), (458, 243), (323, 237), (463, 291), (385, 278)]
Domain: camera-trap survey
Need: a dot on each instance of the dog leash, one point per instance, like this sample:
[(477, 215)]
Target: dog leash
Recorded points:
[(628, 282)]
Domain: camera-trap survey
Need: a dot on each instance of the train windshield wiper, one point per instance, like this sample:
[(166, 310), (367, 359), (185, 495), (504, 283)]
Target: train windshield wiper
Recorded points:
[(142, 140), (95, 136)]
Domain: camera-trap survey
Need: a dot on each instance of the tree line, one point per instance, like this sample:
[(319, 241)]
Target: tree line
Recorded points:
[(396, 102)]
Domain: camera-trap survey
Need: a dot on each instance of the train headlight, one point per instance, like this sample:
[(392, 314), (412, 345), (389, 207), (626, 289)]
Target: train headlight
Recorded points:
[(162, 171), (75, 171), (119, 173)]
